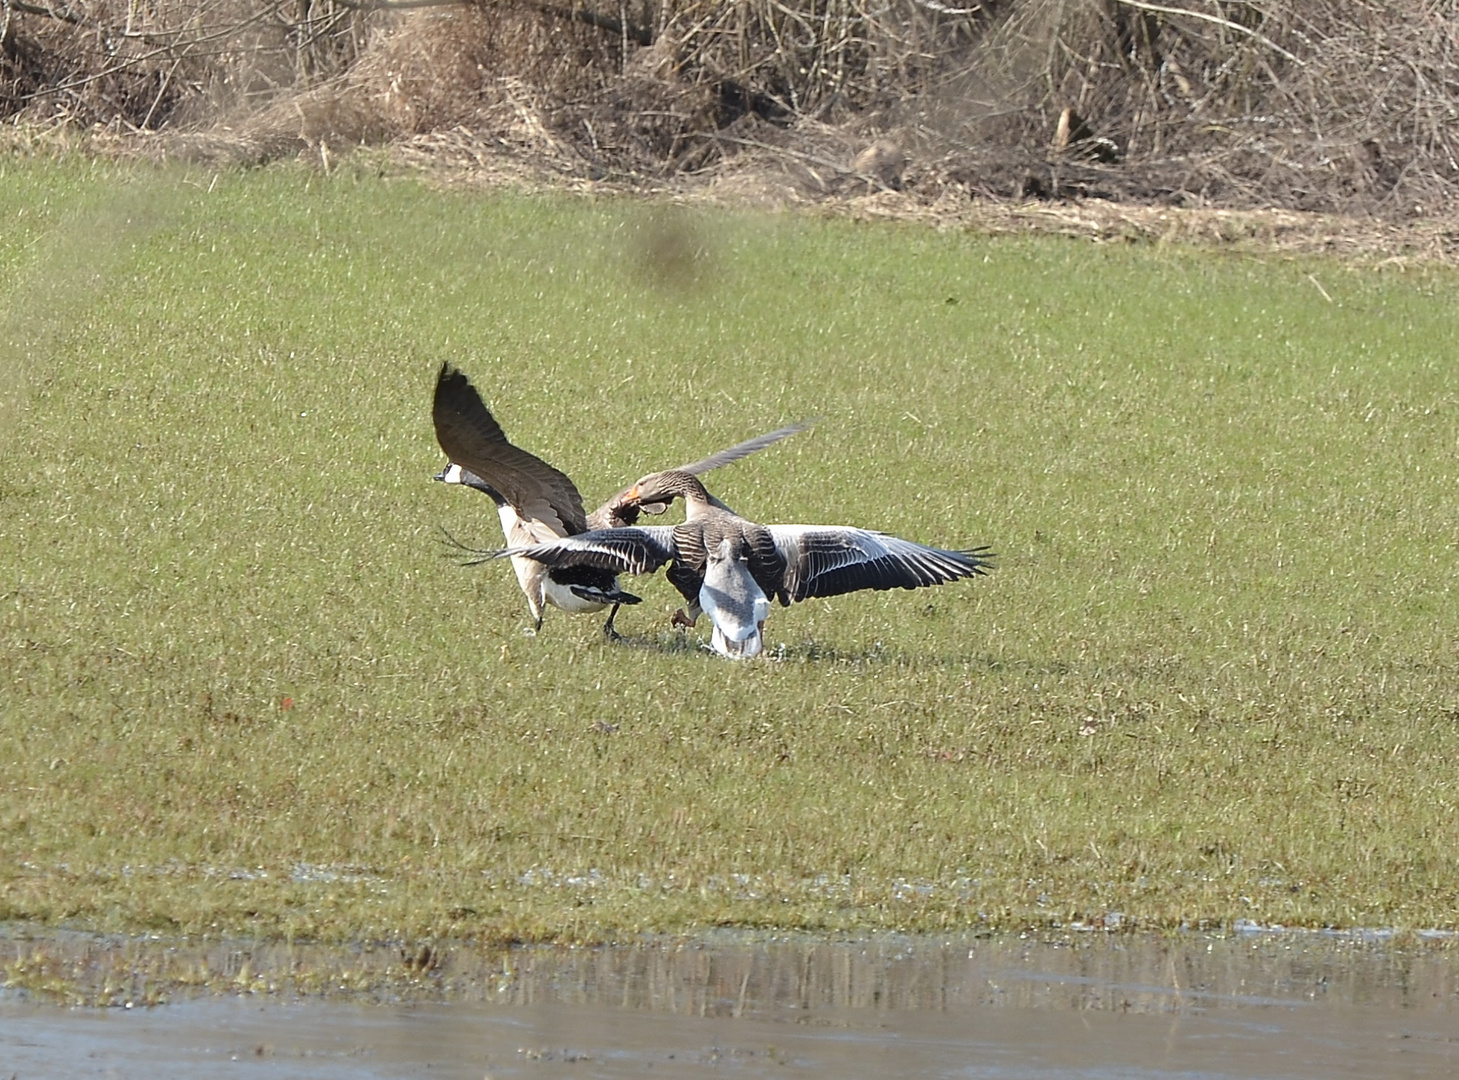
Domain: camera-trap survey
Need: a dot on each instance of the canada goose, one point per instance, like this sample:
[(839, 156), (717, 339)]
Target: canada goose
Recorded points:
[(732, 568), (538, 504), (574, 589)]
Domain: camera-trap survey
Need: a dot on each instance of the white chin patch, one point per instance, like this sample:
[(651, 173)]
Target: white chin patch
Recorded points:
[(451, 474)]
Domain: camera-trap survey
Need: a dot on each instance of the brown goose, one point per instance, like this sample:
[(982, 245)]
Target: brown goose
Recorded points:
[(538, 504), (732, 568)]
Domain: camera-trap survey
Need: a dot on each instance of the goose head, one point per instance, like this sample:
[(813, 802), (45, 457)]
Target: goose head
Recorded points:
[(455, 474), (734, 602), (654, 492)]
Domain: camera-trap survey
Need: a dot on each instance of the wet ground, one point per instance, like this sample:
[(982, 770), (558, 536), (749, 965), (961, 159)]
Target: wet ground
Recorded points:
[(1091, 1006)]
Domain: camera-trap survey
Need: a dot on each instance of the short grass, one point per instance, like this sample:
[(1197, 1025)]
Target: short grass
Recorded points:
[(243, 691)]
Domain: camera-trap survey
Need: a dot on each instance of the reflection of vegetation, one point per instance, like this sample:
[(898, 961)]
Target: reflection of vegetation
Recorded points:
[(1324, 105), (746, 973), (244, 692)]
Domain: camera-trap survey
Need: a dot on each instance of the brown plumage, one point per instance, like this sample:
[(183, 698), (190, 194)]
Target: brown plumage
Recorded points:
[(732, 567), (538, 503)]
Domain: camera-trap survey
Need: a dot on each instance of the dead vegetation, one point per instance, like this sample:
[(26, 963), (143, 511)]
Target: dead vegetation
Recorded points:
[(1328, 106)]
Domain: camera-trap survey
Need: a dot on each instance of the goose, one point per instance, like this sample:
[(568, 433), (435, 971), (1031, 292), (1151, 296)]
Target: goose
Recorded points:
[(732, 568), (574, 589), (538, 504)]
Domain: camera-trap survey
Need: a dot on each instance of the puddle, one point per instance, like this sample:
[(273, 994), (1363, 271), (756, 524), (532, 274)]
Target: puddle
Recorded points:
[(1004, 1009)]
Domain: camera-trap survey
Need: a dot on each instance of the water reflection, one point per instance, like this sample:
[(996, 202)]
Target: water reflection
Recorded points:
[(1093, 1006)]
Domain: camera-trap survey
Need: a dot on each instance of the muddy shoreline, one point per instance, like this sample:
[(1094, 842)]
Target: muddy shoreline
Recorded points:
[(1247, 1004)]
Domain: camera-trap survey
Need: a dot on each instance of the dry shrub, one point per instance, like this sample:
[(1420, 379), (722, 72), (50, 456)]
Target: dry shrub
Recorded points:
[(1329, 105), (441, 68), (1342, 105), (1319, 105), (146, 66)]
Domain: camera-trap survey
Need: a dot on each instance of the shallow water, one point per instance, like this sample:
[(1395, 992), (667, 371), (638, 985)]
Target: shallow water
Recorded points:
[(1094, 1007)]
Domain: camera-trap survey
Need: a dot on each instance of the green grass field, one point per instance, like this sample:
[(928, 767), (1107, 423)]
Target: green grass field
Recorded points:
[(1215, 676)]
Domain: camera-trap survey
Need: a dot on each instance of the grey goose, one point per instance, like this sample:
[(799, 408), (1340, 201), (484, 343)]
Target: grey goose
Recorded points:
[(538, 504), (732, 568)]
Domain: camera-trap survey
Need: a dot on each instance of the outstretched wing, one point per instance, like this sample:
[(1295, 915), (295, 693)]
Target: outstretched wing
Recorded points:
[(632, 550), (472, 438), (744, 449), (616, 512), (828, 560)]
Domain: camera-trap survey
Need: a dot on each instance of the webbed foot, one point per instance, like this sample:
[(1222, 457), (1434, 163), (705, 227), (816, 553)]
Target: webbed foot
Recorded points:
[(608, 630)]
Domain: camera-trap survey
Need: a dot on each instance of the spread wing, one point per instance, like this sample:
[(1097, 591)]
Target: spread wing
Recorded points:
[(617, 512), (744, 449), (629, 550), (473, 439), (828, 560)]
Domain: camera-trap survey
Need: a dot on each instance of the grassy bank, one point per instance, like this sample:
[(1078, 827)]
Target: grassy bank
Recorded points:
[(1212, 679)]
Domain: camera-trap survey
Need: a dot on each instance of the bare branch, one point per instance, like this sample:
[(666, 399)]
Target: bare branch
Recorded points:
[(398, 5), (637, 34), (49, 13), (1215, 19), (943, 9)]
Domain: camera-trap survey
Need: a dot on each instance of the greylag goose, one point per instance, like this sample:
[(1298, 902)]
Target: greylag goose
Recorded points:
[(538, 504), (731, 568)]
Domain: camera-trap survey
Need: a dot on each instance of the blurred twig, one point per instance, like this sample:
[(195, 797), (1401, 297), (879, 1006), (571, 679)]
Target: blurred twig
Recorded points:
[(1214, 19)]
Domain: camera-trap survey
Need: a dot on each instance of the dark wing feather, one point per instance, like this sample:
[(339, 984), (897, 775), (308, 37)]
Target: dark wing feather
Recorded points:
[(636, 550), (686, 572), (768, 562), (694, 540), (827, 560), (472, 438)]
